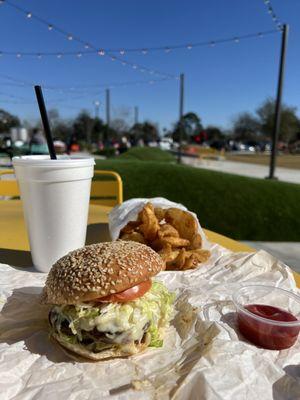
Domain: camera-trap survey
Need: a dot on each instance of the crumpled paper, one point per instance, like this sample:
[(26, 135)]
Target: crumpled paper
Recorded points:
[(203, 357)]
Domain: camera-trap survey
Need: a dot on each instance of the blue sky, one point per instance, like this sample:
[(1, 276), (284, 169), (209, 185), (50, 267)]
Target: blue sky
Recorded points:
[(220, 81)]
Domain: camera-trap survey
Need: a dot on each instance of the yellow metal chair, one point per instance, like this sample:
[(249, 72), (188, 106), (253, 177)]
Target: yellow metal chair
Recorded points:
[(107, 187), (8, 187)]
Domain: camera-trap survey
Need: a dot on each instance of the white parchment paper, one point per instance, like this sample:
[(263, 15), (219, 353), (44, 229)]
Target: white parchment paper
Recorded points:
[(203, 356)]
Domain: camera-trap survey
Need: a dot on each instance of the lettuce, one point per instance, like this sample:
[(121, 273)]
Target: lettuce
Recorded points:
[(121, 323)]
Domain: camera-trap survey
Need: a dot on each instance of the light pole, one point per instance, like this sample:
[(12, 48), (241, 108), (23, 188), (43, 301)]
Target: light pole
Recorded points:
[(108, 107), (181, 99), (284, 39), (97, 107)]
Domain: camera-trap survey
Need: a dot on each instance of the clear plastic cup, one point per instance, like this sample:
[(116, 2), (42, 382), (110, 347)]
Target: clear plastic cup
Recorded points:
[(55, 196), (268, 316)]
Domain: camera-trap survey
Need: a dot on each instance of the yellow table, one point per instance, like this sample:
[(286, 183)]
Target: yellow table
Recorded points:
[(14, 245)]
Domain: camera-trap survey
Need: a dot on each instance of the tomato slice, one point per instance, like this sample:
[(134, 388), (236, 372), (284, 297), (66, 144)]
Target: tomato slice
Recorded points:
[(127, 295)]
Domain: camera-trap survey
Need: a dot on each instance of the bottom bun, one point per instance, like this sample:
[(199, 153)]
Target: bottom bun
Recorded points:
[(79, 353)]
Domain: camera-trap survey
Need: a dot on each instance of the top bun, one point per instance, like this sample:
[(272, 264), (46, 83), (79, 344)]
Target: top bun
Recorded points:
[(99, 270)]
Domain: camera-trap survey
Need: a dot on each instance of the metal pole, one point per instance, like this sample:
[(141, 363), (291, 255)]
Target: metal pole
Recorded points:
[(108, 107), (136, 114), (276, 128), (181, 99), (97, 106)]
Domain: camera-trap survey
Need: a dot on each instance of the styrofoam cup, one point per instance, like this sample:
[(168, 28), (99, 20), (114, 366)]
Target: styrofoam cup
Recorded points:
[(55, 196)]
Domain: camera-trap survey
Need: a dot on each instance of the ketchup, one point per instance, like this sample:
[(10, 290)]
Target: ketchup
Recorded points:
[(268, 335)]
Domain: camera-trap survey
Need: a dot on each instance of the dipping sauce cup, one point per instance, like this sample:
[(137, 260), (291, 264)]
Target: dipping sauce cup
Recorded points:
[(268, 316)]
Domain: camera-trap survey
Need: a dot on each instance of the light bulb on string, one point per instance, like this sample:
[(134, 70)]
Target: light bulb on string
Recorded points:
[(144, 51), (70, 37), (167, 50), (260, 35), (101, 52), (123, 63), (79, 55), (113, 58), (236, 40), (270, 10), (39, 56), (86, 46), (19, 55), (50, 27), (29, 15), (212, 44), (122, 52), (189, 47), (134, 66), (59, 55)]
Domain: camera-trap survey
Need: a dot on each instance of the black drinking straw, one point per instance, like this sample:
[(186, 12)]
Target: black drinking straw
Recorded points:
[(44, 116)]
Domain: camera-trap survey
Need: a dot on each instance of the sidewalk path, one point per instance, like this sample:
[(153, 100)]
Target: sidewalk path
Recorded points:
[(245, 169), (288, 252)]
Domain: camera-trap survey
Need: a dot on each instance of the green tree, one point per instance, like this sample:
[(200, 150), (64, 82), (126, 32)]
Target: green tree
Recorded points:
[(88, 129), (246, 126), (289, 122), (146, 131), (214, 133), (190, 126), (8, 121)]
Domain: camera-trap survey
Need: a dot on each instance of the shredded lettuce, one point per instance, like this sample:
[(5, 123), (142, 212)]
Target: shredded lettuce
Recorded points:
[(121, 323)]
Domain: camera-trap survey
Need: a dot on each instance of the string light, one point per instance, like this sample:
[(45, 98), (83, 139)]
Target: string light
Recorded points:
[(72, 37), (167, 49), (270, 10), (39, 56), (79, 88), (86, 46), (122, 52), (18, 55), (144, 51), (29, 15)]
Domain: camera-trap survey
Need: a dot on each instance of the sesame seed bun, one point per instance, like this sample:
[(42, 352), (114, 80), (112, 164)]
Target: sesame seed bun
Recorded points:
[(99, 270)]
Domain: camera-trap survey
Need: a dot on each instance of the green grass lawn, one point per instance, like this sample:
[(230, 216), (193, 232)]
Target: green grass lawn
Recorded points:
[(146, 154), (239, 207)]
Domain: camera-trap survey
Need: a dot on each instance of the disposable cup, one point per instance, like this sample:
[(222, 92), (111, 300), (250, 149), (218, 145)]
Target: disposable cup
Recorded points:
[(55, 196)]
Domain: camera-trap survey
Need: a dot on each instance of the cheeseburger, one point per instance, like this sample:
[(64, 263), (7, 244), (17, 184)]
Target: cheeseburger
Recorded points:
[(104, 302)]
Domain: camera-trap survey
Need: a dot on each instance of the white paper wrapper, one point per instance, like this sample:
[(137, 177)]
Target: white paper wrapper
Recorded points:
[(203, 356)]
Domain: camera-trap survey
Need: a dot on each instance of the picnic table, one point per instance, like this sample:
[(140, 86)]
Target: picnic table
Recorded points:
[(14, 244)]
